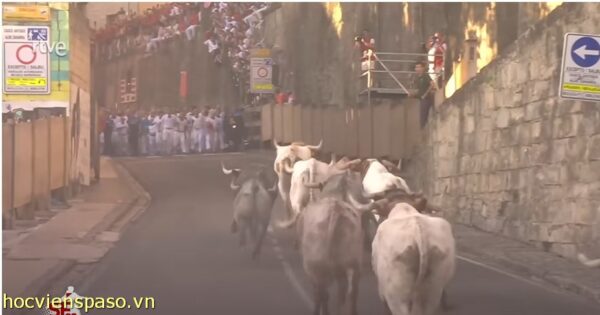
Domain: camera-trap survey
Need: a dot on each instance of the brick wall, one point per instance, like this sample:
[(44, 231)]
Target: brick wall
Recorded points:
[(505, 154)]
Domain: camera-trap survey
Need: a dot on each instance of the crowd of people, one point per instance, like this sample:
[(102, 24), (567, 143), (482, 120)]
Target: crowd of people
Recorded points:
[(234, 31), (229, 30), (129, 31), (166, 132)]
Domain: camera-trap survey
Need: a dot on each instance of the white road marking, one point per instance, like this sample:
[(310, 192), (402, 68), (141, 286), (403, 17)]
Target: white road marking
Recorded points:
[(289, 272), (548, 288)]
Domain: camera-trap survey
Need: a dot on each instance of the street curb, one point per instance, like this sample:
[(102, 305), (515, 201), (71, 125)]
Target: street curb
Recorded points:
[(130, 209), (541, 276), (40, 286), (133, 207)]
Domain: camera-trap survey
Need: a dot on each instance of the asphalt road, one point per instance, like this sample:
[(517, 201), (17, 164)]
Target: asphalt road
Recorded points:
[(181, 252)]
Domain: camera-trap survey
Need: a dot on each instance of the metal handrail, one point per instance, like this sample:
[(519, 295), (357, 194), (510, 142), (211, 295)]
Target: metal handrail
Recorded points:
[(386, 70), (410, 54), (395, 71)]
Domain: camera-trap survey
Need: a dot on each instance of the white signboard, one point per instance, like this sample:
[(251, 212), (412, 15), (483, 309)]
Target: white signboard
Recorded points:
[(580, 73), (261, 71), (26, 59)]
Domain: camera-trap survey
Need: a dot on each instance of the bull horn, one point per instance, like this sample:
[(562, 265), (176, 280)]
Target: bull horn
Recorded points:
[(316, 147), (275, 143), (373, 195), (349, 164), (287, 167), (289, 223), (225, 171), (388, 164), (233, 186), (273, 189), (399, 166), (359, 206), (333, 159)]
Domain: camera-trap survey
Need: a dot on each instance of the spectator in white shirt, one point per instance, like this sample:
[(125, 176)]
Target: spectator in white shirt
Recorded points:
[(168, 124)]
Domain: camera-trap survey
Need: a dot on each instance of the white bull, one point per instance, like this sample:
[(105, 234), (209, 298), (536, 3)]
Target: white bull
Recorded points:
[(331, 238), (287, 155), (252, 206), (310, 171), (414, 259), (378, 179)]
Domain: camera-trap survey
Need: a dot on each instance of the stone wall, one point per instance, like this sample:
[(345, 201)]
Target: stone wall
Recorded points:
[(505, 154), (315, 40), (158, 77)]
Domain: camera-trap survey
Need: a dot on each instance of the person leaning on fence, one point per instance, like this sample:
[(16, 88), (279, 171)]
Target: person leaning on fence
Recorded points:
[(366, 45), (424, 87)]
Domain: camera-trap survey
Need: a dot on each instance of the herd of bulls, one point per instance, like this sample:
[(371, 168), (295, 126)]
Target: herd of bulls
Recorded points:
[(332, 206)]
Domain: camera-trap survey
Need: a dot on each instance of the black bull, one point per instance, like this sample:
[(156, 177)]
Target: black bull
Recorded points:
[(256, 191)]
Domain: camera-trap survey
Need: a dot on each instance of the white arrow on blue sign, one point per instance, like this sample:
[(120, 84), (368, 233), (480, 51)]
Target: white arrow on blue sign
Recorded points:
[(585, 51), (580, 71)]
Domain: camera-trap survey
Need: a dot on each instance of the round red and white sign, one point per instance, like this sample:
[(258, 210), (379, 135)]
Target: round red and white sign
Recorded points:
[(26, 54), (262, 72)]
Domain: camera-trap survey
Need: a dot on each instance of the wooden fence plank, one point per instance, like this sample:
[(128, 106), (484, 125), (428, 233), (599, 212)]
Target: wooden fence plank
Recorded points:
[(41, 167), (23, 171)]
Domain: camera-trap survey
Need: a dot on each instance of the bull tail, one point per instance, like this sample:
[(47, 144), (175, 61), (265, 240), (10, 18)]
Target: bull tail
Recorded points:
[(334, 218), (423, 253)]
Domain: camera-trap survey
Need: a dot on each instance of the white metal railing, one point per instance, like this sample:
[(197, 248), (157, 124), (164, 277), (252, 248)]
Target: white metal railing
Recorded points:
[(385, 66)]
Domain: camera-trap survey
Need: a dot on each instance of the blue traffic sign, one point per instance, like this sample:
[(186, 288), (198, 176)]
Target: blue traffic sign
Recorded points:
[(585, 52), (37, 34)]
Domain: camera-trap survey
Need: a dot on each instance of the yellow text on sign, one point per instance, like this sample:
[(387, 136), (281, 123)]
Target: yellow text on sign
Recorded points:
[(263, 86), (581, 88), (26, 81)]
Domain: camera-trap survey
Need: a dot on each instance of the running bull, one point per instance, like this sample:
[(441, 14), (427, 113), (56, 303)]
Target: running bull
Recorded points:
[(331, 240), (252, 205)]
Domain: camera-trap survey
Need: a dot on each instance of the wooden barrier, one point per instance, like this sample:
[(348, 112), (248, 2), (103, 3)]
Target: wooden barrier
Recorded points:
[(307, 123), (287, 123), (365, 137), (339, 124), (23, 166), (382, 126), (266, 116), (351, 133), (329, 136), (41, 163), (36, 161), (278, 123), (297, 123), (317, 127), (390, 130), (398, 130), (57, 153), (7, 172), (413, 126)]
